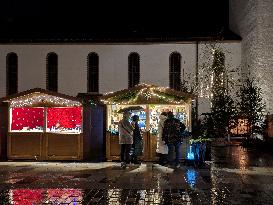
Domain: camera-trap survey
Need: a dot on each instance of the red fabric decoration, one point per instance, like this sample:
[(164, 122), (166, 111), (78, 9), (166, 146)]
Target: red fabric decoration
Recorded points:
[(27, 117), (70, 117)]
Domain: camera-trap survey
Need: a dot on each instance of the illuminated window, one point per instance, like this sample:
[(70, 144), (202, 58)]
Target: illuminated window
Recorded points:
[(52, 72), (27, 119), (175, 71), (66, 119), (12, 73), (133, 70), (93, 73)]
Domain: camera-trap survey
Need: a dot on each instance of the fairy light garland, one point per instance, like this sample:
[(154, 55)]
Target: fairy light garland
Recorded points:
[(39, 98), (147, 93)]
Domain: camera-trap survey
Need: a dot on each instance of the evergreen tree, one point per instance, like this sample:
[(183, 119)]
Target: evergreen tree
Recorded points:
[(251, 106), (223, 108)]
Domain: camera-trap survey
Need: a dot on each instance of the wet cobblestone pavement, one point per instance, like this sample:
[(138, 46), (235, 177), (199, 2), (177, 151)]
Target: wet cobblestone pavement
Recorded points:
[(234, 176)]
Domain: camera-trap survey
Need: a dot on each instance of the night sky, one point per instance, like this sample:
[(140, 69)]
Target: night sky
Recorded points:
[(24, 18)]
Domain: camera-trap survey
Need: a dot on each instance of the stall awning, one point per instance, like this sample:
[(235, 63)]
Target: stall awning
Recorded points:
[(147, 94), (38, 97)]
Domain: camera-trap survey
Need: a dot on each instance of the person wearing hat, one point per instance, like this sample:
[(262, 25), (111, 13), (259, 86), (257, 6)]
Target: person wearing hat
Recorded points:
[(125, 138)]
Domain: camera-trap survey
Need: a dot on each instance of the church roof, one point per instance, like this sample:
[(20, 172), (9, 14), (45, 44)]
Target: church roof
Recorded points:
[(135, 36), (114, 22)]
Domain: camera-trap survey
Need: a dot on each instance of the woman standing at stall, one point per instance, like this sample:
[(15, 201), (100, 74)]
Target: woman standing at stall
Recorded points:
[(137, 146), (162, 148)]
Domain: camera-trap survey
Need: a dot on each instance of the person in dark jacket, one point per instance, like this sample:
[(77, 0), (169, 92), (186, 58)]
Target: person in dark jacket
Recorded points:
[(125, 139), (172, 135), (137, 146)]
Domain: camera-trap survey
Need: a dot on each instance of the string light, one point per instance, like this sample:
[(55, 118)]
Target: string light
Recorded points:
[(146, 93), (30, 100)]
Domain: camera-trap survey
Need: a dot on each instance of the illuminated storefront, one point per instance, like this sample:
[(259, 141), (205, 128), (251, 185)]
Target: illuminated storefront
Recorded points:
[(44, 125), (151, 100)]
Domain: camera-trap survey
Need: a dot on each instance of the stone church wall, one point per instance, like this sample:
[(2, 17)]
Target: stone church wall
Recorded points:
[(253, 21), (113, 64)]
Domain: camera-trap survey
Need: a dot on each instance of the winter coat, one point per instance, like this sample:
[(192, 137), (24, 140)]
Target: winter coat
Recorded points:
[(137, 147), (172, 131), (162, 148), (125, 132)]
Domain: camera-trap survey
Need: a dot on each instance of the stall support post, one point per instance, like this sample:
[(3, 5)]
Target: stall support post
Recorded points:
[(44, 137), (45, 120), (148, 118), (93, 129), (9, 131), (4, 113), (147, 148)]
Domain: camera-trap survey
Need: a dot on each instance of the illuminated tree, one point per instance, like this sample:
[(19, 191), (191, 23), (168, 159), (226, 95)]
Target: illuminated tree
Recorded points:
[(223, 109), (252, 106)]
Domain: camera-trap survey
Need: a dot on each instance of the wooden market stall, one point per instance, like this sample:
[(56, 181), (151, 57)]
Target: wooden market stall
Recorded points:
[(153, 100), (44, 125)]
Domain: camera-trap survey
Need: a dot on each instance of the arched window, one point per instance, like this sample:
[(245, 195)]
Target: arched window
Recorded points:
[(12, 73), (52, 72), (175, 71), (93, 72), (133, 70)]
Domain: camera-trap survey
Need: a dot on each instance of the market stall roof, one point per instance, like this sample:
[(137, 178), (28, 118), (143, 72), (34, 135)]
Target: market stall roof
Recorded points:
[(147, 94), (38, 97)]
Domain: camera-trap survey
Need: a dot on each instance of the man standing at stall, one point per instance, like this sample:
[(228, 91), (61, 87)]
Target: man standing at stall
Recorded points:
[(172, 135), (125, 138)]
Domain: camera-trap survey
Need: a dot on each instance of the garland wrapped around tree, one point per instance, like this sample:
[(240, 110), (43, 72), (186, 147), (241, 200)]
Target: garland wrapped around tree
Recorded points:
[(223, 109)]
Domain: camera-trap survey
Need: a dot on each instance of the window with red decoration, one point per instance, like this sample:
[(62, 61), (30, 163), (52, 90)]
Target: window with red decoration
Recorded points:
[(27, 119), (64, 119)]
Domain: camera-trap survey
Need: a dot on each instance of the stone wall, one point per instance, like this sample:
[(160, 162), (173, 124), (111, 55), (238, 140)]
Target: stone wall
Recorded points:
[(253, 21)]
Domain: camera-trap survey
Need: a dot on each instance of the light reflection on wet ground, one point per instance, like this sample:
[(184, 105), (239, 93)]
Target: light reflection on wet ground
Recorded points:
[(234, 176)]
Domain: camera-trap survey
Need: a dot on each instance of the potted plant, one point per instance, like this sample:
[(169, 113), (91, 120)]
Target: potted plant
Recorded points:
[(199, 148)]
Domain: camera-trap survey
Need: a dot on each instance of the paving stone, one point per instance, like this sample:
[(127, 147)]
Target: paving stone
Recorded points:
[(223, 181)]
